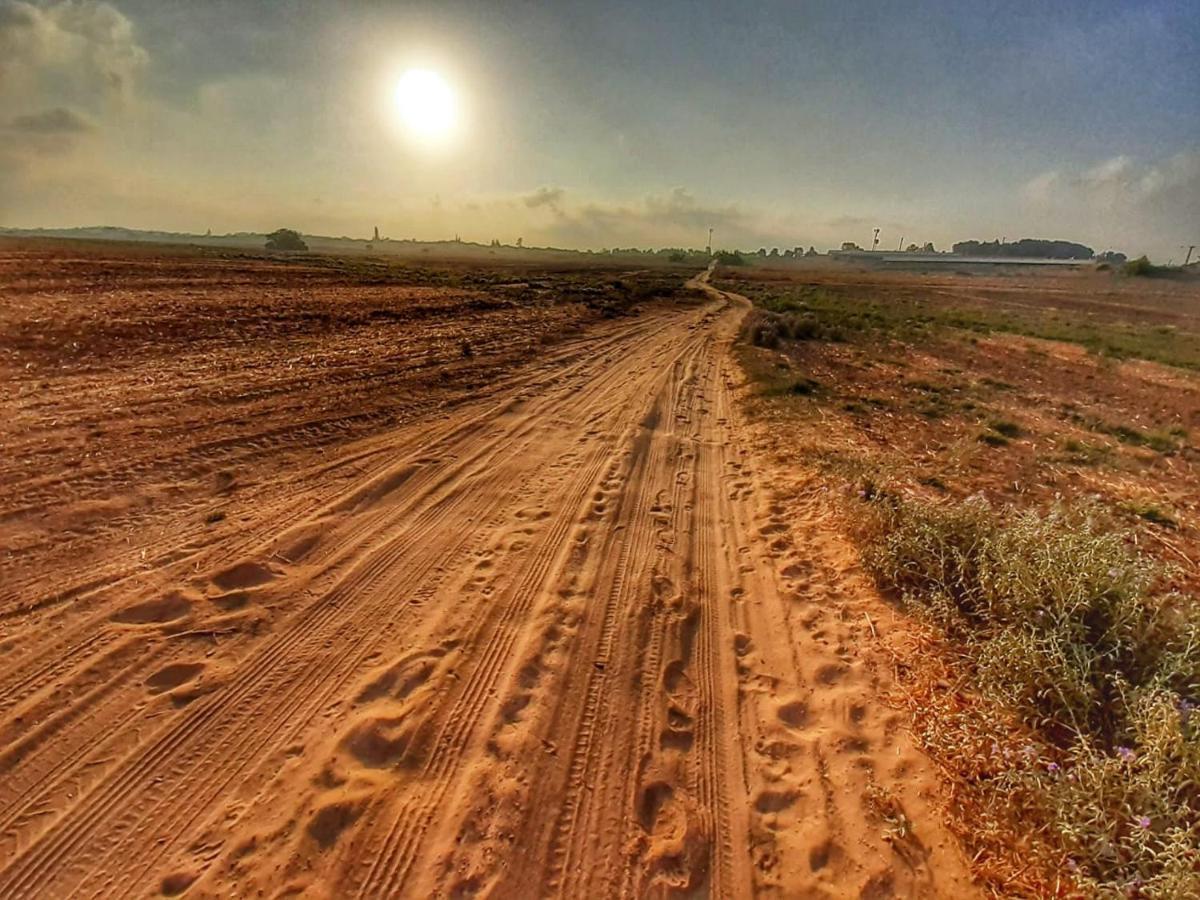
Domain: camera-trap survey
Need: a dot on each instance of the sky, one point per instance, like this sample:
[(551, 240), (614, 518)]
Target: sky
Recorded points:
[(613, 124)]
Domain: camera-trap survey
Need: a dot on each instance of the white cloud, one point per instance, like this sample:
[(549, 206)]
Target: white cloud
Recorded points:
[(1139, 205), (73, 51)]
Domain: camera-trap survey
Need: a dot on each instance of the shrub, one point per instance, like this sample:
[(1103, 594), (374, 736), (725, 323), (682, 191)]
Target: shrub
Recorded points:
[(1139, 267), (285, 239), (801, 327), (761, 329), (1063, 622)]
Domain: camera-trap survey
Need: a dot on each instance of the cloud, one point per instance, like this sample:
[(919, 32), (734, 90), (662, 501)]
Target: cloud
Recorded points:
[(1139, 203), (1124, 183), (551, 198), (79, 51), (64, 66), (1040, 189), (56, 121), (676, 217)]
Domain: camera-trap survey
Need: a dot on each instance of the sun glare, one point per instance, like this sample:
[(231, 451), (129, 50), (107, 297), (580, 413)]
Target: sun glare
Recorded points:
[(426, 104)]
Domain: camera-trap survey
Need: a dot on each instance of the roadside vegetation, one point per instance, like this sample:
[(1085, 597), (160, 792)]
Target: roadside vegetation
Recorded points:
[(1059, 624), (1020, 480), (824, 313)]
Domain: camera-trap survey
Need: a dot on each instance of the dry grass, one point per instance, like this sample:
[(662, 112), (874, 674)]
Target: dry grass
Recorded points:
[(1059, 621)]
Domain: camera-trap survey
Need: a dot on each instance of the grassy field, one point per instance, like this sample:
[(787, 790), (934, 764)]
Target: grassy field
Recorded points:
[(1016, 460)]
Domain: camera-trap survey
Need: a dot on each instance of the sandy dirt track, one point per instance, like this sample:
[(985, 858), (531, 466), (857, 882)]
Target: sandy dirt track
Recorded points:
[(556, 641)]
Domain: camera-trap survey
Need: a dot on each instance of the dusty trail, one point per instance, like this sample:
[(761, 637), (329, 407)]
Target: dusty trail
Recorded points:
[(558, 642)]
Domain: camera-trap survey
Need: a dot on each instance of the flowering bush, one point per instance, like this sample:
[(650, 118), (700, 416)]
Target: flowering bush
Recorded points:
[(1064, 624)]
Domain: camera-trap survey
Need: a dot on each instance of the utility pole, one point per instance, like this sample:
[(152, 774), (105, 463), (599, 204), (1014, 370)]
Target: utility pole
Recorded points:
[(1189, 254), (875, 240), (708, 249), (900, 246)]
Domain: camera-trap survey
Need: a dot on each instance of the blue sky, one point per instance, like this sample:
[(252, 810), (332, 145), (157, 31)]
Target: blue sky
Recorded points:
[(612, 124)]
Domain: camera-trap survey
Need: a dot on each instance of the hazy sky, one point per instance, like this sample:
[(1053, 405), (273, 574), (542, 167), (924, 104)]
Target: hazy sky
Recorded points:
[(612, 124)]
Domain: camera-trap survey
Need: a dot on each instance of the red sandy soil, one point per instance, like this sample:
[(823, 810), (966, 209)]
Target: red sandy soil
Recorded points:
[(301, 594)]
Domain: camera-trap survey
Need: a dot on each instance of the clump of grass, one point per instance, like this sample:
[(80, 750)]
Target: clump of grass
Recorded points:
[(1161, 440), (1005, 427), (766, 328), (1060, 621), (996, 384), (927, 387), (1151, 512), (1082, 454), (804, 387)]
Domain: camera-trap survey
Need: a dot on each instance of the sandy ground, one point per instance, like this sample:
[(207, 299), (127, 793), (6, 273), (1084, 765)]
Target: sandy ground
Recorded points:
[(552, 639)]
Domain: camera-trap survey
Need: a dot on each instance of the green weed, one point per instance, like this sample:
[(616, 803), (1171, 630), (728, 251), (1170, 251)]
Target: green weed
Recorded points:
[(1062, 622)]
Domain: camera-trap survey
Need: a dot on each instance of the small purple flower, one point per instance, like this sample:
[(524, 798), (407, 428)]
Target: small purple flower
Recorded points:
[(1114, 574), (1052, 768), (1126, 754), (1142, 821), (1072, 865)]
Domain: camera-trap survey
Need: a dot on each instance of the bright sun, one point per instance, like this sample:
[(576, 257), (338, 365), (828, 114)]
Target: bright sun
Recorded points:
[(427, 105)]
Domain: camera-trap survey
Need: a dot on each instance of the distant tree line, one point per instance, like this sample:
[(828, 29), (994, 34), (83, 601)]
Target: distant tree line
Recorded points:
[(1026, 247)]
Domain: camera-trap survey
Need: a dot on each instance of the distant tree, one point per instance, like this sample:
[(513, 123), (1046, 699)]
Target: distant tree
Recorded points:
[(728, 258), (1112, 257), (850, 245), (912, 248), (1140, 267), (928, 248), (285, 239), (774, 254), (812, 251), (762, 251), (1025, 248), (677, 256), (520, 242)]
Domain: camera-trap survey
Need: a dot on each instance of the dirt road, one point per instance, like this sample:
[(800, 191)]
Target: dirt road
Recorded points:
[(559, 641)]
